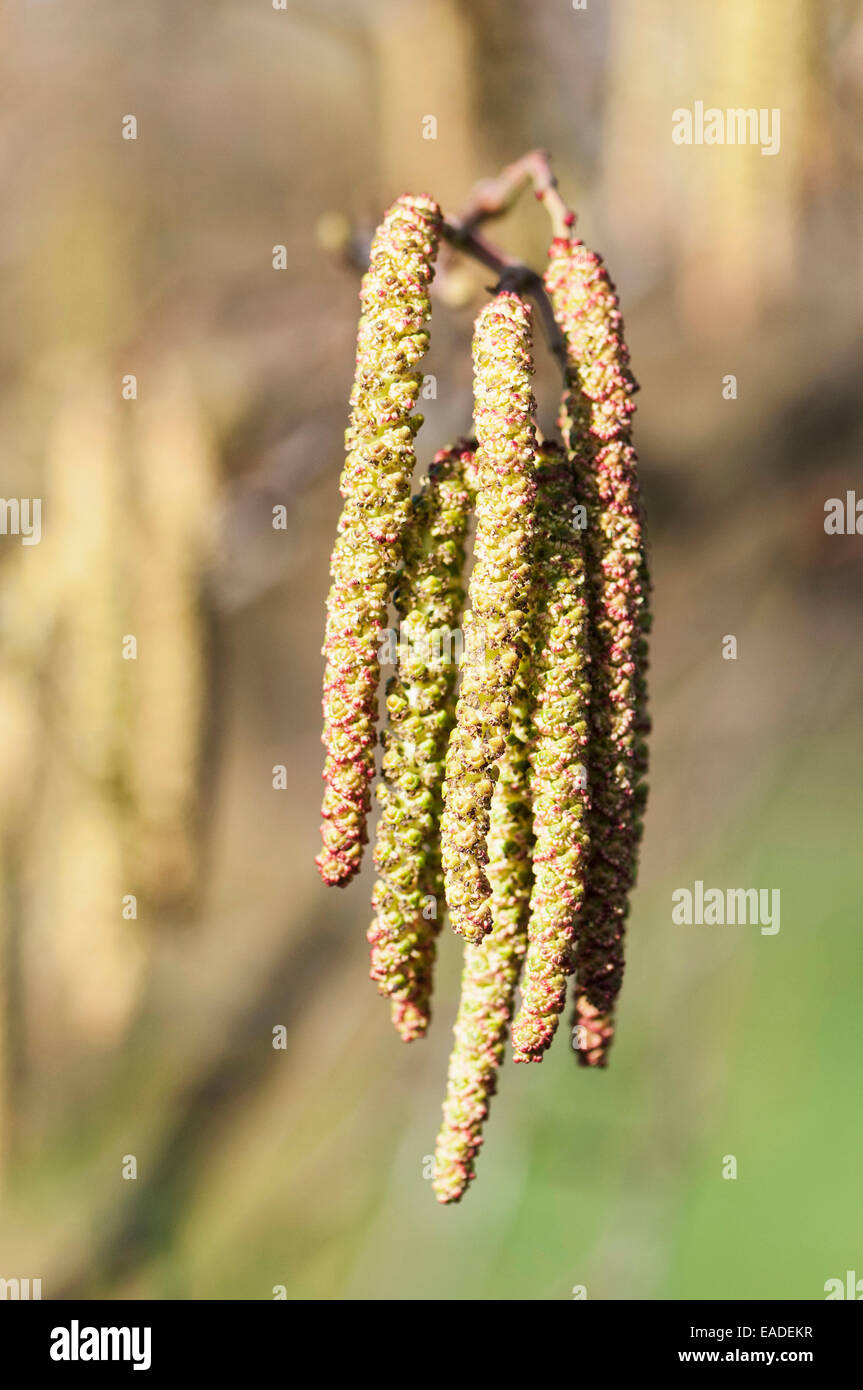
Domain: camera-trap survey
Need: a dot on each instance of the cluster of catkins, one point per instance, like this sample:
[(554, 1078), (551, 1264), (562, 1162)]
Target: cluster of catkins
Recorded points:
[(517, 797)]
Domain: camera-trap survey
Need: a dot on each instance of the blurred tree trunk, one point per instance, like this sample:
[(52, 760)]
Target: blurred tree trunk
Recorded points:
[(724, 215), (426, 109), (504, 76)]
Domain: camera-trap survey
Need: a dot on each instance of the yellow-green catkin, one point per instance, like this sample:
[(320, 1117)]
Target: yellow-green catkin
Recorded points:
[(496, 627), (174, 484), (77, 872), (595, 420), (491, 968), (558, 756), (375, 486), (428, 599)]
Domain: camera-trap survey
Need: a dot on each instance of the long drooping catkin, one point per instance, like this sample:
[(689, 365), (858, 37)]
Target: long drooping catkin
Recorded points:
[(74, 912), (595, 421), (496, 628), (429, 596), (174, 474), (491, 969), (375, 485), (558, 752)]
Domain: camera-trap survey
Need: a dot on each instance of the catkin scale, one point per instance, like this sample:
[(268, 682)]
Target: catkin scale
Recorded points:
[(496, 626), (558, 750), (375, 485), (595, 420), (428, 598)]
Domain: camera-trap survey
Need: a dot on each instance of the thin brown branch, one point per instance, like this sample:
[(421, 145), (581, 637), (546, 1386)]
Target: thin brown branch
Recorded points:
[(512, 274), (491, 199), (494, 197)]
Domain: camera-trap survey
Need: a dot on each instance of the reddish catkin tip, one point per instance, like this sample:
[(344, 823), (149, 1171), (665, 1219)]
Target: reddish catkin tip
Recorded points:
[(596, 419), (496, 626), (375, 485)]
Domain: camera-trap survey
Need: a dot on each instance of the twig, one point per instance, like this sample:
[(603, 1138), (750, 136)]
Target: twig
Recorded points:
[(493, 197), (512, 274)]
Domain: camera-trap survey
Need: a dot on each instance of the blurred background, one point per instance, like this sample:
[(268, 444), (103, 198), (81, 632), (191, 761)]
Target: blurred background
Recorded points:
[(161, 913)]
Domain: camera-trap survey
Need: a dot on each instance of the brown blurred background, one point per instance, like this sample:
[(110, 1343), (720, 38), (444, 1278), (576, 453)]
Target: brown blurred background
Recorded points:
[(150, 1036)]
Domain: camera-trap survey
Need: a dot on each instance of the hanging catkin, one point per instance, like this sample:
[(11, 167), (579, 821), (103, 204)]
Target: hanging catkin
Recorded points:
[(491, 968), (75, 910), (496, 627), (428, 599), (558, 753), (595, 421), (375, 486), (521, 800), (174, 487)]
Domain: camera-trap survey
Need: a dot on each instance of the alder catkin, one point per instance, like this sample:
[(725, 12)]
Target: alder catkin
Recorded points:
[(595, 420), (558, 755), (428, 599), (496, 627), (491, 968), (520, 800), (74, 911), (174, 468), (375, 486)]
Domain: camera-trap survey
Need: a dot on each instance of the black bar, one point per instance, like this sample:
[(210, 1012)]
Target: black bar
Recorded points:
[(229, 1338)]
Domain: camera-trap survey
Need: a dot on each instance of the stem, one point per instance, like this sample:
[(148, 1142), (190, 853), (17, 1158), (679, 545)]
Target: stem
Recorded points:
[(492, 198), (512, 275)]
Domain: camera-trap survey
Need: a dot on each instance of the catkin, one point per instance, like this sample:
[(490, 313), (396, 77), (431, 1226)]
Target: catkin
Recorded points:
[(375, 486), (74, 912), (595, 420), (174, 482), (496, 627), (428, 599), (558, 751), (491, 968)]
